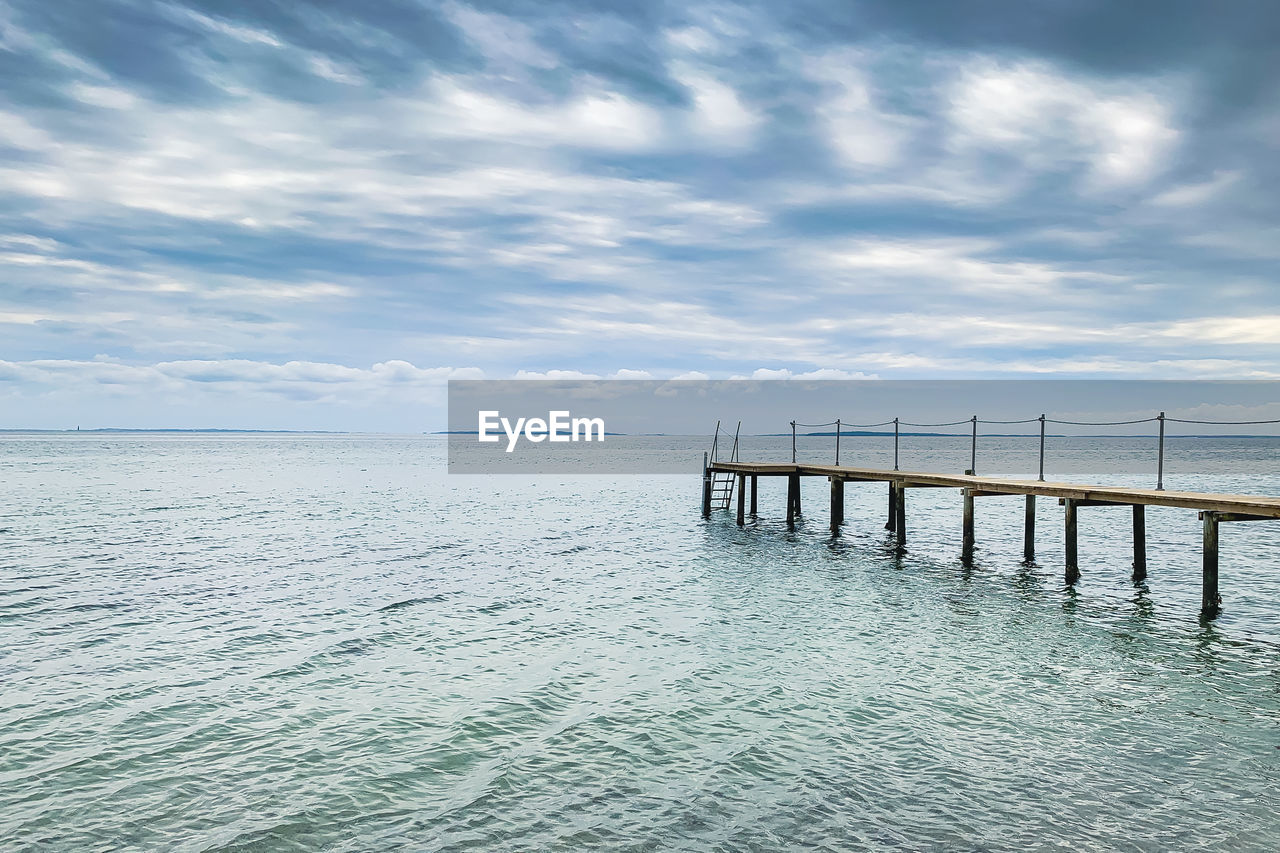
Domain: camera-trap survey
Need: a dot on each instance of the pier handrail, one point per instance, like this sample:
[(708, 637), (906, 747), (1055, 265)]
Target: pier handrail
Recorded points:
[(840, 425)]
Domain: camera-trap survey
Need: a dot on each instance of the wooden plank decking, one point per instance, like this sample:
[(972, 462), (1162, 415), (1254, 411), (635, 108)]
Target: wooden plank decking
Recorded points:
[(1260, 505)]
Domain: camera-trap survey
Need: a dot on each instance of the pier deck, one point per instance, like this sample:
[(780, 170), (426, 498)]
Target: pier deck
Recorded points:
[(1213, 508), (1203, 501)]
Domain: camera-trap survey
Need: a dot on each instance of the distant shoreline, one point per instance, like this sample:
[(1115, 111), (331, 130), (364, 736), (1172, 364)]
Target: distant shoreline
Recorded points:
[(162, 431)]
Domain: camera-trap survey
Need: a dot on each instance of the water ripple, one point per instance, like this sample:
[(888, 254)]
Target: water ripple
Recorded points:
[(326, 644)]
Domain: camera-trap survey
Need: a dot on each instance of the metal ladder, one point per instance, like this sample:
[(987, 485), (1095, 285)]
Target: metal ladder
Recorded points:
[(722, 482)]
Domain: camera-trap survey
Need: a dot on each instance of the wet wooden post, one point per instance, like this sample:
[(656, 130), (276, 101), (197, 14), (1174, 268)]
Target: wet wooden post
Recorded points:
[(900, 514), (837, 503), (742, 499), (1029, 531), (893, 507), (966, 551), (793, 485), (797, 479), (1073, 569), (754, 483), (1139, 542), (1209, 598), (706, 488)]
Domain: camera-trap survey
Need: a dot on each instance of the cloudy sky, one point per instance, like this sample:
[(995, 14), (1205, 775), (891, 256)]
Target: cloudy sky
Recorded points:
[(308, 215)]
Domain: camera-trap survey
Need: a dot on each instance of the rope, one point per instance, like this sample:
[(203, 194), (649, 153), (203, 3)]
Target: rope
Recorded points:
[(1103, 423), (1220, 423), (1047, 420), (948, 423)]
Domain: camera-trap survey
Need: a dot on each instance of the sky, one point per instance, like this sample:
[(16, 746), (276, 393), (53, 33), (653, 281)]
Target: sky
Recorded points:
[(311, 215)]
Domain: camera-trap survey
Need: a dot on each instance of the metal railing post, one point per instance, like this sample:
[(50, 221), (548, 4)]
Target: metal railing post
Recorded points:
[(895, 444), (1160, 461), (837, 441), (793, 441), (1042, 447), (973, 448)]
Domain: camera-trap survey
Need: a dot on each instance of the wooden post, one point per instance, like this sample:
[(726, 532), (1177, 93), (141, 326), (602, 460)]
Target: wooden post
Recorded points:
[(893, 507), (1139, 542), (706, 487), (754, 484), (1073, 569), (900, 522), (798, 510), (966, 551), (1029, 531), (1209, 598), (742, 499), (837, 503), (793, 483)]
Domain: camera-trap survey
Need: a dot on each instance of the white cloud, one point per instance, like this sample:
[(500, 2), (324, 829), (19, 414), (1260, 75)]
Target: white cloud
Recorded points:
[(1043, 118), (293, 379), (554, 374), (857, 127), (239, 32), (1262, 329), (957, 264), (820, 374), (1197, 193), (502, 39), (718, 112)]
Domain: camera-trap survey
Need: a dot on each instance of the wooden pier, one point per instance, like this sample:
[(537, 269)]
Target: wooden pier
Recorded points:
[(1213, 508)]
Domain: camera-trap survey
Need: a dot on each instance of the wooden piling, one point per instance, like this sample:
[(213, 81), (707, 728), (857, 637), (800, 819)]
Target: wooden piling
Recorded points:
[(966, 551), (837, 503), (893, 507), (1139, 542), (706, 488), (754, 483), (1209, 598), (798, 510), (793, 486), (900, 514), (1029, 531), (1073, 568), (742, 499)]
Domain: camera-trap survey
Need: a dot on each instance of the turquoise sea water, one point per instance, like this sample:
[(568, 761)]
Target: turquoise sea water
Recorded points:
[(326, 643)]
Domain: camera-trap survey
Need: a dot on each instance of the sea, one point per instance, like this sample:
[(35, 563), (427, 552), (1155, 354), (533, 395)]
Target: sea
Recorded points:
[(218, 642)]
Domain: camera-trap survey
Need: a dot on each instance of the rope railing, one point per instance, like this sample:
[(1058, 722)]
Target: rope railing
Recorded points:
[(1221, 423), (1105, 423), (974, 421)]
